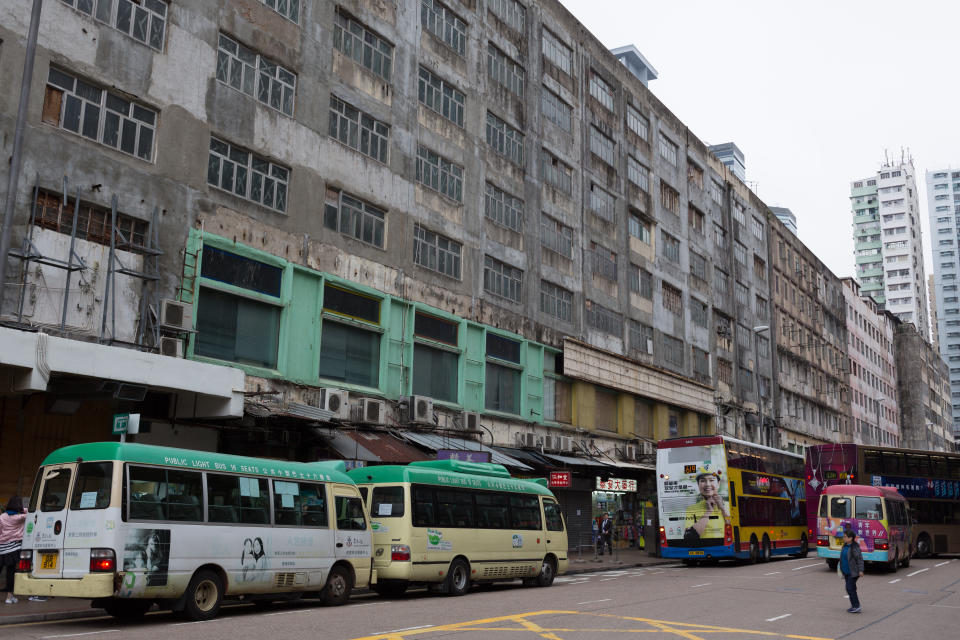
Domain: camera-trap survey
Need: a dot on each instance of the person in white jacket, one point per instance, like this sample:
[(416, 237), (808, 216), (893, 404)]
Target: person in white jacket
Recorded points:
[(11, 538)]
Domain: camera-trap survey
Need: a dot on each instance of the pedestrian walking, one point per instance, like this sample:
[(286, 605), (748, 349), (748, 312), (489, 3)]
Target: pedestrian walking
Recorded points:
[(606, 534), (851, 568), (11, 537)]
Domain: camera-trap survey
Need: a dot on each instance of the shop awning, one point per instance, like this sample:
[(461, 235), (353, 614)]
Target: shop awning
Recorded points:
[(532, 458), (371, 446), (578, 462), (436, 442), (635, 465)]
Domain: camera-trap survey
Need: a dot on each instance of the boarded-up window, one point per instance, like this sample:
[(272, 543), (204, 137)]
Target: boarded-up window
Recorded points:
[(52, 101), (606, 410), (642, 418)]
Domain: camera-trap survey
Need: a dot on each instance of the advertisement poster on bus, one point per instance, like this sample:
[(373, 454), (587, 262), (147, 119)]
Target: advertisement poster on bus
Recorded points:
[(148, 550), (694, 495)]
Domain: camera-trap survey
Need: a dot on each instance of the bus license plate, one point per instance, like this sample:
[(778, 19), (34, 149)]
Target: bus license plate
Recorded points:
[(48, 560), (696, 553)]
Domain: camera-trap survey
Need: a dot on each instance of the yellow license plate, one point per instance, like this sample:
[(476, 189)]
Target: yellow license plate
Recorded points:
[(48, 561), (696, 553)]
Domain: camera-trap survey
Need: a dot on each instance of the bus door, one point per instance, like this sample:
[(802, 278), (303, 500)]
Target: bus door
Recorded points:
[(46, 525), (556, 541), (352, 537)]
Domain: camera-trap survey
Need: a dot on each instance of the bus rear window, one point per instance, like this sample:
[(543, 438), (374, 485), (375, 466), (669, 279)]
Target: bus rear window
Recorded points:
[(841, 508), (387, 502), (55, 490), (868, 508), (92, 488), (35, 494)]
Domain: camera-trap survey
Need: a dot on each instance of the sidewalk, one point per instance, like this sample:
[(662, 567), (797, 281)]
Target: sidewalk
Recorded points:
[(68, 608)]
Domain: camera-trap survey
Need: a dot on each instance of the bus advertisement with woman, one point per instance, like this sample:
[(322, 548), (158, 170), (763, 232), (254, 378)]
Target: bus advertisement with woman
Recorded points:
[(130, 525)]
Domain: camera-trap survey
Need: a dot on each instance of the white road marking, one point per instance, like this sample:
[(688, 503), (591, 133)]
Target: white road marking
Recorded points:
[(786, 615), (180, 624), (806, 566), (383, 633), (895, 581), (367, 604), (88, 633), (771, 573), (607, 579), (592, 601), (705, 584), (910, 575), (283, 613), (943, 563)]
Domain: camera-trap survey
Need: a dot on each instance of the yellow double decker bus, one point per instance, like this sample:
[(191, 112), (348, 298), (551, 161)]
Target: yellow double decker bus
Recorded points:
[(449, 523)]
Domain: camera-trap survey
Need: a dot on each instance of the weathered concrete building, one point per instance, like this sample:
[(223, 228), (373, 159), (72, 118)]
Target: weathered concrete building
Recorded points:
[(926, 415)]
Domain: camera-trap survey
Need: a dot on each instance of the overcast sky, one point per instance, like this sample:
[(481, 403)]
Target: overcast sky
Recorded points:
[(813, 93)]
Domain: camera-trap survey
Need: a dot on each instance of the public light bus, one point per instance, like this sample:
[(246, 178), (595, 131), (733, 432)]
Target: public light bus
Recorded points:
[(128, 525), (720, 497), (929, 480), (879, 516), (449, 523)]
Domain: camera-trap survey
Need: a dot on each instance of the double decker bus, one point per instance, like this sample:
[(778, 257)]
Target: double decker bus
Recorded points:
[(448, 523), (720, 497), (929, 480), (129, 525)]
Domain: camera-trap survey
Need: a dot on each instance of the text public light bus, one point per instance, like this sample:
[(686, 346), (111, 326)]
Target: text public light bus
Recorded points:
[(128, 525), (725, 498), (448, 523), (929, 480), (879, 516)]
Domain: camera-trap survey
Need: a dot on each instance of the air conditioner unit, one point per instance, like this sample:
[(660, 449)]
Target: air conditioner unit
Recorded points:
[(176, 315), (337, 401), (564, 443), (470, 420), (629, 452), (369, 411), (172, 347), (131, 392), (550, 443), (420, 409), (648, 448), (527, 440)]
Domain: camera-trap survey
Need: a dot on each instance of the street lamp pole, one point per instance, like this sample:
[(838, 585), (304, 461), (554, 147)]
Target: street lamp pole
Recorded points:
[(756, 346)]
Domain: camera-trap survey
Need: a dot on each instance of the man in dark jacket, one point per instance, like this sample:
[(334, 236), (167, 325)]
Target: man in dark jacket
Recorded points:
[(851, 566)]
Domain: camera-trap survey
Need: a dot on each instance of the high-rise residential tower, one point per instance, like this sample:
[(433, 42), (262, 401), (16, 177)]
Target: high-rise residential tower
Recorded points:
[(889, 242), (943, 201)]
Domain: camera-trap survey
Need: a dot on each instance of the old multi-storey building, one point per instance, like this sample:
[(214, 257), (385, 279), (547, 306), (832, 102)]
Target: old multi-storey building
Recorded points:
[(926, 416), (875, 415)]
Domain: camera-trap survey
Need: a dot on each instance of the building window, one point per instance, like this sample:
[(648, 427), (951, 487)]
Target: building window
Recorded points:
[(503, 370), (641, 338), (639, 228), (701, 364), (720, 236), (436, 357), (289, 9), (511, 13), (93, 223), (672, 298), (695, 218), (637, 122), (556, 301), (437, 173), (740, 254), (501, 279), (721, 281), (669, 198), (601, 146), (244, 329), (698, 266), (739, 213), (763, 311), (742, 295), (694, 174), (603, 319), (440, 96), (247, 175), (439, 20), (365, 47), (354, 217), (504, 70), (436, 252), (673, 351), (760, 268), (698, 313), (601, 91), (603, 203), (504, 139), (556, 173), (247, 71), (99, 115), (358, 130), (716, 192), (756, 225), (671, 246), (142, 20), (668, 150), (725, 371), (559, 54), (604, 262), (641, 282), (503, 208), (556, 236), (556, 110), (638, 174), (350, 353), (557, 392)]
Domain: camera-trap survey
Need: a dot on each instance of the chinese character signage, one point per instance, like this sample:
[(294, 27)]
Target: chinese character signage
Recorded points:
[(560, 479), (617, 484), (463, 456), (920, 487)]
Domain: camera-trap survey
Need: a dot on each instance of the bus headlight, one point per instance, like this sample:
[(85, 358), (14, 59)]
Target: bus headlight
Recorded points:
[(102, 560), (25, 564)]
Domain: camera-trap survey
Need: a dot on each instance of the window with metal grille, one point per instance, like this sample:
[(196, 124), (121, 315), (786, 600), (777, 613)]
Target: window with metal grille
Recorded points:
[(437, 173), (247, 175), (93, 222), (672, 298), (556, 236), (248, 72), (716, 192), (698, 313), (556, 301), (354, 217), (720, 236), (510, 12), (637, 122), (672, 351), (641, 337), (501, 279), (760, 267), (638, 174), (669, 198), (443, 23), (701, 364), (556, 173), (756, 226), (721, 281), (741, 294), (641, 282), (559, 54), (143, 20), (739, 213), (601, 146), (725, 371), (603, 319), (698, 266), (695, 218), (668, 150), (504, 139), (694, 174), (99, 115), (358, 130), (601, 91), (556, 110), (366, 48), (639, 227), (504, 70), (604, 262), (440, 96), (670, 247), (740, 253), (435, 252), (603, 203), (503, 208)]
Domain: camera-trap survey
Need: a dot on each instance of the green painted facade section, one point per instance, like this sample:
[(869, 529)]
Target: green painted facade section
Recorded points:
[(437, 472), (329, 470)]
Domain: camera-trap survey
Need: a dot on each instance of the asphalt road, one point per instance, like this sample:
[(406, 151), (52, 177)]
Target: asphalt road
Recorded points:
[(785, 598)]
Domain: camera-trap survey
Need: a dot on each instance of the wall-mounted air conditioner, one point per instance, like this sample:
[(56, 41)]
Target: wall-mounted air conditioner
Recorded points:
[(172, 347), (337, 401), (629, 452), (564, 443), (470, 421), (420, 410), (176, 315), (527, 440), (369, 411)]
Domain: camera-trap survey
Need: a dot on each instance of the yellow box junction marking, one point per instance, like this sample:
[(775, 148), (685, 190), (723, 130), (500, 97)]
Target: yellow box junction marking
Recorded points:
[(523, 622)]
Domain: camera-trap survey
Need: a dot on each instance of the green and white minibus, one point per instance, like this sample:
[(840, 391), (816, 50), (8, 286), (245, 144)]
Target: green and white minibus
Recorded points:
[(449, 523), (129, 525)]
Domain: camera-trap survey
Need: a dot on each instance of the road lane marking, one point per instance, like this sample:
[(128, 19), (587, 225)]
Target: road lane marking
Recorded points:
[(771, 573), (180, 624), (592, 601), (283, 613), (387, 633), (607, 579), (942, 563), (910, 575), (705, 584), (88, 633), (786, 615), (806, 566), (895, 581)]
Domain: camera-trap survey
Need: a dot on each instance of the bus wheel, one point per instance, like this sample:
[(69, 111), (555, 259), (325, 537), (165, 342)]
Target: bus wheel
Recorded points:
[(458, 578), (765, 550), (906, 560), (337, 589), (923, 546), (547, 573), (391, 588), (204, 595), (127, 609), (892, 564), (754, 550), (832, 564)]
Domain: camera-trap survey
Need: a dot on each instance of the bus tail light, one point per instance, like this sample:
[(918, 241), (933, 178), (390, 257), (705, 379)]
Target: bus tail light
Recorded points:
[(727, 535), (881, 544), (399, 553), (25, 565), (102, 560), (823, 541), (663, 537)]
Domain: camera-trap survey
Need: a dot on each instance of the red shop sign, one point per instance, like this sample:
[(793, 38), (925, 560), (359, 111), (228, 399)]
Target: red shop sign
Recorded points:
[(560, 479)]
